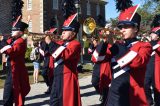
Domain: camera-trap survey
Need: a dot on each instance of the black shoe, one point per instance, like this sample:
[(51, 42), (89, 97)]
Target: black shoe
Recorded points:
[(101, 98)]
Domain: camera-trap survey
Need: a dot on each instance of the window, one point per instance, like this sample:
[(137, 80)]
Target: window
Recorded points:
[(55, 4), (30, 26), (98, 9), (29, 4), (88, 8)]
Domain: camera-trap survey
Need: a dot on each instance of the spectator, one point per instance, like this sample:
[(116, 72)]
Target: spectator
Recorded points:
[(35, 57)]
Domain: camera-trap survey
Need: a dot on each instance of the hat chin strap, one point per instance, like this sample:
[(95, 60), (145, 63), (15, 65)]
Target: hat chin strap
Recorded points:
[(16, 33)]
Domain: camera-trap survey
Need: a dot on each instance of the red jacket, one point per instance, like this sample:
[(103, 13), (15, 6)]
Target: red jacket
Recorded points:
[(67, 73), (157, 69), (21, 86), (141, 52), (137, 75), (105, 71)]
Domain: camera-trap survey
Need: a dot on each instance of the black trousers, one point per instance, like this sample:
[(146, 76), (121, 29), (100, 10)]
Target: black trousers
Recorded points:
[(45, 76), (8, 97), (149, 81), (8, 91), (56, 96), (96, 77), (147, 87), (156, 97)]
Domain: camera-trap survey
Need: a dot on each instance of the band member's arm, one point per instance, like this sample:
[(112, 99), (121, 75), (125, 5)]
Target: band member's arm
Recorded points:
[(3, 43), (71, 51), (47, 49), (143, 55), (14, 50), (100, 52), (158, 48), (52, 47), (91, 49), (42, 47)]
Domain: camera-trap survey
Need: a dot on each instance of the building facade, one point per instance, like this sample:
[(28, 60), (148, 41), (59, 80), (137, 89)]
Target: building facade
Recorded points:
[(6, 22), (5, 16), (41, 12)]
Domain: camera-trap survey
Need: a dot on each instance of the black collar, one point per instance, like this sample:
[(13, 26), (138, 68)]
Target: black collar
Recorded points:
[(129, 41)]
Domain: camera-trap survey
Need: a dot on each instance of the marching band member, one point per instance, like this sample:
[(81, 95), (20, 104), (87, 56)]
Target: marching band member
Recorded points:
[(45, 47), (65, 87), (128, 63), (93, 45), (101, 76), (152, 77), (17, 82)]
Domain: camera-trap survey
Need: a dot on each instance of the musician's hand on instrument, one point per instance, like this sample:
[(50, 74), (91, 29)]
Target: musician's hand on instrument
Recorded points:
[(48, 39), (46, 32), (95, 43), (105, 39)]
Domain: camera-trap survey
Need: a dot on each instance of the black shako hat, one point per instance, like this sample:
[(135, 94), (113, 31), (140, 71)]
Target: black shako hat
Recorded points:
[(129, 17), (20, 26), (156, 25), (70, 24), (156, 30)]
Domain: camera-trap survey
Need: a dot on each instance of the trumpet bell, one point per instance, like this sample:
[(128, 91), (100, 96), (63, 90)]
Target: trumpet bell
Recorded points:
[(89, 25)]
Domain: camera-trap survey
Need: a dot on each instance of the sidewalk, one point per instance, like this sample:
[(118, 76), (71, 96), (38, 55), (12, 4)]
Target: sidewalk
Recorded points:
[(36, 97)]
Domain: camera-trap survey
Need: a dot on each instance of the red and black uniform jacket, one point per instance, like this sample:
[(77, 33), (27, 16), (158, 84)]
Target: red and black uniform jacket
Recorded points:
[(101, 72), (65, 88), (45, 50), (15, 50), (128, 66), (155, 66)]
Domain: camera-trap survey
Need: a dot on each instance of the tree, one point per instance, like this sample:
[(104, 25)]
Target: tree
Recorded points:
[(114, 22), (148, 10)]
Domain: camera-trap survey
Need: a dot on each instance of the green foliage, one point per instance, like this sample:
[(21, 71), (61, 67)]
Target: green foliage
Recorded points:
[(146, 19), (147, 12), (114, 22), (86, 44), (27, 55)]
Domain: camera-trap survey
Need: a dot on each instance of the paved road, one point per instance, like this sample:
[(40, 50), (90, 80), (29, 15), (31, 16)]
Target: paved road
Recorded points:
[(36, 97)]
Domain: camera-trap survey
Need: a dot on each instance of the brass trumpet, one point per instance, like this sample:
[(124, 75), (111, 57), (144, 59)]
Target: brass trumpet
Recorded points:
[(41, 36)]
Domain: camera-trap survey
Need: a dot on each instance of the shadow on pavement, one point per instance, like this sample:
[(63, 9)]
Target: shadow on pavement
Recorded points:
[(42, 103), (36, 96), (89, 94), (86, 86)]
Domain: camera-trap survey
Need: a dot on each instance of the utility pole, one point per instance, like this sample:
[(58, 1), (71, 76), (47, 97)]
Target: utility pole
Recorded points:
[(79, 35)]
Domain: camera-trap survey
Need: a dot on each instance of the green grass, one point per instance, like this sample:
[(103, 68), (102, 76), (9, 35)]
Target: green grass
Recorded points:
[(1, 66), (1, 83), (85, 72)]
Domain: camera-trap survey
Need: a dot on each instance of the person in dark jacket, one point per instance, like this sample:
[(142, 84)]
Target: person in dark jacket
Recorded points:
[(152, 77), (46, 47)]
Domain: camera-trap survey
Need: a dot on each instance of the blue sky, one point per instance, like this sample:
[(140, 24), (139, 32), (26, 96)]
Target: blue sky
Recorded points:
[(111, 11)]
